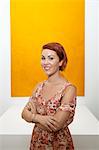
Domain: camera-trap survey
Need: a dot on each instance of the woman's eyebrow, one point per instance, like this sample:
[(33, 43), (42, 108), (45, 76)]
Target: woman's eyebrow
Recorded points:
[(50, 55), (43, 56)]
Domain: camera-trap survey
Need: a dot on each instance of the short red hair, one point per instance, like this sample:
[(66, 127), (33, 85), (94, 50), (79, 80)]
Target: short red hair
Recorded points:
[(59, 49)]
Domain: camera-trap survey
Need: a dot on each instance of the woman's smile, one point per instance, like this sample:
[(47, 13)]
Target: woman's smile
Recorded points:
[(46, 67), (50, 61)]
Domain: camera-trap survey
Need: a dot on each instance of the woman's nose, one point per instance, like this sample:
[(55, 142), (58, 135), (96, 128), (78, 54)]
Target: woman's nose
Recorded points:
[(46, 62)]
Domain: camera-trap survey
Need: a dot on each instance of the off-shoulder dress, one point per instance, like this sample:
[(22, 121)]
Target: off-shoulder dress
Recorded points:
[(59, 140)]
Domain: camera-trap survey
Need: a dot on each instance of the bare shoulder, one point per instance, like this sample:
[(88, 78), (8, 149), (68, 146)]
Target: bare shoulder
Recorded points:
[(70, 91), (71, 88)]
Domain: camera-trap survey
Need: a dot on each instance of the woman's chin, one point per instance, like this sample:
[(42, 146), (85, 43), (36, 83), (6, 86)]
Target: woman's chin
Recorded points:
[(48, 73)]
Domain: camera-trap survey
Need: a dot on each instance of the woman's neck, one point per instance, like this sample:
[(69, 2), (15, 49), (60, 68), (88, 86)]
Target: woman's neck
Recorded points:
[(56, 77)]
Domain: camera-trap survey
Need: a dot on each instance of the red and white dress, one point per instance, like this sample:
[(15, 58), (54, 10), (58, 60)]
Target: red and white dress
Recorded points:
[(59, 140)]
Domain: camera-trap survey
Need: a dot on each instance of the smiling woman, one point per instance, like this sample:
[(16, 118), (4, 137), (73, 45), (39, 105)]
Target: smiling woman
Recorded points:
[(52, 105)]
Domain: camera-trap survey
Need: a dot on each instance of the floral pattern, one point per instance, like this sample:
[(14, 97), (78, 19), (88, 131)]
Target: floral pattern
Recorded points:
[(60, 140)]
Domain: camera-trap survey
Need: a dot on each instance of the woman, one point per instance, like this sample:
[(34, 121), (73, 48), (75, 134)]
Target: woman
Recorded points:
[(52, 104)]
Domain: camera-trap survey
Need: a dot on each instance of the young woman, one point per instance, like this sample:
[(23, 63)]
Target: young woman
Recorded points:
[(52, 104)]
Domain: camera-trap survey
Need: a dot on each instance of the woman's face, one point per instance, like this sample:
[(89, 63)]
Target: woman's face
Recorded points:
[(50, 61)]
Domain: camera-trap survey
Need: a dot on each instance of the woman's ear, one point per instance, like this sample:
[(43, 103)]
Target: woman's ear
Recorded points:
[(60, 63)]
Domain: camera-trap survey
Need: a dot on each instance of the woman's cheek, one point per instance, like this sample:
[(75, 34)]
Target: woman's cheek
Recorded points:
[(42, 63)]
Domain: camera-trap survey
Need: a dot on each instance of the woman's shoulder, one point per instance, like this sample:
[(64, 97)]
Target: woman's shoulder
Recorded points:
[(65, 81), (71, 90), (69, 86)]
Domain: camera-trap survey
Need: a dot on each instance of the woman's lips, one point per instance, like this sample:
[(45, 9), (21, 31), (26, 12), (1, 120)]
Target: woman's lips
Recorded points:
[(46, 68)]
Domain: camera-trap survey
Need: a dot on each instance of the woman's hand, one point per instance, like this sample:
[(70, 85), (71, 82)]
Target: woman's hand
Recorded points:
[(28, 111), (30, 107), (47, 122)]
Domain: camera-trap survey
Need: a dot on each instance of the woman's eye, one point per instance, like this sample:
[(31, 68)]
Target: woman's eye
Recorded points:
[(42, 58), (51, 58)]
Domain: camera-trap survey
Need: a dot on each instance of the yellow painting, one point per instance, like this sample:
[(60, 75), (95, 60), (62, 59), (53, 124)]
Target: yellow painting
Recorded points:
[(35, 23)]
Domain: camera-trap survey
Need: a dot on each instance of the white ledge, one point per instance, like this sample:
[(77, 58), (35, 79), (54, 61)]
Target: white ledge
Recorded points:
[(11, 122)]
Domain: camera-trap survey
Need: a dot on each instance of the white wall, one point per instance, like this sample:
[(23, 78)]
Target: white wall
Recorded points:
[(91, 58), (4, 55), (92, 55)]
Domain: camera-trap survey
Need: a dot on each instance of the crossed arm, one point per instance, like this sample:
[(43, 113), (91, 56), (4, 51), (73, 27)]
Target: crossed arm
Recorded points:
[(50, 123)]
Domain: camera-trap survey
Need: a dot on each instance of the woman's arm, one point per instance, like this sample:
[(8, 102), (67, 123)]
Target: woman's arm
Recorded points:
[(29, 114), (64, 114), (67, 107), (44, 122), (30, 107), (28, 111), (56, 122)]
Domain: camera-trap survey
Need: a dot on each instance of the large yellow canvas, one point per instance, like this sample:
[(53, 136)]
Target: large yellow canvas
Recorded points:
[(37, 22)]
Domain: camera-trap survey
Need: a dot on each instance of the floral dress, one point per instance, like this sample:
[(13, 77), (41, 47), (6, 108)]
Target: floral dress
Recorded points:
[(61, 139)]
